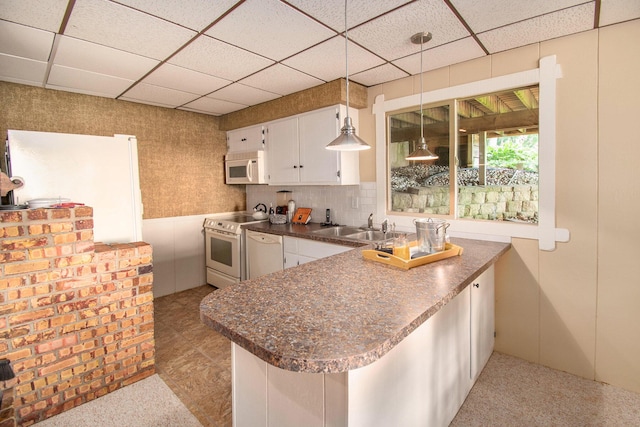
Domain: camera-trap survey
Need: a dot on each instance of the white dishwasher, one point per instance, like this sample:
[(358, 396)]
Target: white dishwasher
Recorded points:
[(264, 254)]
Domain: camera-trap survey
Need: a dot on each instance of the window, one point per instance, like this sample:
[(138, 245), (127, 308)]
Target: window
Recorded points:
[(420, 186), (494, 154), (495, 140)]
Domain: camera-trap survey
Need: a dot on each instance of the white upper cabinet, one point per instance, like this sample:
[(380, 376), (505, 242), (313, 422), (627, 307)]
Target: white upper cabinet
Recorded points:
[(245, 139), (297, 154), (282, 148)]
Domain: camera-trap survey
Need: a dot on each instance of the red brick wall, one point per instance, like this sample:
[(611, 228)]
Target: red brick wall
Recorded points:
[(76, 317)]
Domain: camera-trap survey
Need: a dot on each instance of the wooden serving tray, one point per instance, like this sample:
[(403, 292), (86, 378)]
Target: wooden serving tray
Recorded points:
[(450, 250)]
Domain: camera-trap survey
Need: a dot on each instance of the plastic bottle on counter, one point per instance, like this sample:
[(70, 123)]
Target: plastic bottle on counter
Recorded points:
[(291, 209)]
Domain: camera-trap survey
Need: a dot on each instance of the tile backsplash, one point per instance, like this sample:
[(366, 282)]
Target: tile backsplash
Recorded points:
[(349, 204)]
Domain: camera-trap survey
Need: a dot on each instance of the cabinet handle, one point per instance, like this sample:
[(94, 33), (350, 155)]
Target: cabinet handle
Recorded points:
[(476, 285), (295, 166), (301, 166)]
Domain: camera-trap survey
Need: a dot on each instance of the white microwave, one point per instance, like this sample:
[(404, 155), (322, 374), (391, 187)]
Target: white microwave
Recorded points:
[(245, 168)]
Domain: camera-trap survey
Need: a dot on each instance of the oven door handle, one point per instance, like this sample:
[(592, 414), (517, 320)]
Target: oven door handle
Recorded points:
[(230, 237)]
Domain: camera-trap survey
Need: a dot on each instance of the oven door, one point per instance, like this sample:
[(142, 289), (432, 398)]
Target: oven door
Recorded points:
[(223, 252)]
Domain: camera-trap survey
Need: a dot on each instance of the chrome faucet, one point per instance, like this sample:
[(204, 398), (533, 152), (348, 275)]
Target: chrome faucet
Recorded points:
[(385, 226), (370, 221)]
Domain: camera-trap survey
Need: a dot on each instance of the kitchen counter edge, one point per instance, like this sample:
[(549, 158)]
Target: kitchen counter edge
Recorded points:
[(285, 350)]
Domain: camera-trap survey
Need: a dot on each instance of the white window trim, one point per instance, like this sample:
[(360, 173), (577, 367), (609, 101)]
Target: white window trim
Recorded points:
[(545, 231)]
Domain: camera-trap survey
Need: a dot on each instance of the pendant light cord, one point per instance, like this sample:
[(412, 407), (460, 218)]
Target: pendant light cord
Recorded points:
[(421, 91), (346, 52)]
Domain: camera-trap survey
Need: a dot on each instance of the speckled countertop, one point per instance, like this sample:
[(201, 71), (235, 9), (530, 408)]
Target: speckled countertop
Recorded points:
[(342, 312)]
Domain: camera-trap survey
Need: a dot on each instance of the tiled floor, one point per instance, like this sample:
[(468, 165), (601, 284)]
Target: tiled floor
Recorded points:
[(192, 359), (195, 362)]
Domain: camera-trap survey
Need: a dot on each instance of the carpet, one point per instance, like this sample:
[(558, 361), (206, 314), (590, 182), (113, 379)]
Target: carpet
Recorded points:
[(146, 403)]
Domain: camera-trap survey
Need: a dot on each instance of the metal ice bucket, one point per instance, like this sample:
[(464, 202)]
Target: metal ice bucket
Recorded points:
[(431, 233)]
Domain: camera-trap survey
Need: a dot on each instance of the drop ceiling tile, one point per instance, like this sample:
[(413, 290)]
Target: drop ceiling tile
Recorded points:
[(182, 79), (156, 95), (381, 74), (80, 81), (497, 13), (331, 12), (243, 94), (194, 14), (26, 42), (545, 27), (21, 70), (83, 55), (212, 106), (45, 15), (390, 35), (269, 27), (281, 79), (441, 56), (219, 59), (614, 11), (326, 61), (123, 28)]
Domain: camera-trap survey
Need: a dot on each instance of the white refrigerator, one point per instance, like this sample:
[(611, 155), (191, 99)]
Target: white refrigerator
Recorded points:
[(98, 171)]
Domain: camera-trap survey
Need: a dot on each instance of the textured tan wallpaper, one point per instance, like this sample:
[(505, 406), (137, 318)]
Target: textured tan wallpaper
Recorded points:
[(180, 153), (332, 93)]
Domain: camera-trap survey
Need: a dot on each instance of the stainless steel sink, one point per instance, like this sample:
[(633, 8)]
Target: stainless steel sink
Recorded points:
[(341, 231), (356, 233), (372, 235)]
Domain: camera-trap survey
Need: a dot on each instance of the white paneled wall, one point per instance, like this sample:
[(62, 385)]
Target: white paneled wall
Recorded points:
[(178, 253), (350, 205)]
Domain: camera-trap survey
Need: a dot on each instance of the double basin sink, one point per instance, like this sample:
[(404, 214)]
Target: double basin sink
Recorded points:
[(356, 233)]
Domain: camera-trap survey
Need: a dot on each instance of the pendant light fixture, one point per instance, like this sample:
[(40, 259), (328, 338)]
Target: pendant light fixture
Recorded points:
[(422, 152), (347, 140)]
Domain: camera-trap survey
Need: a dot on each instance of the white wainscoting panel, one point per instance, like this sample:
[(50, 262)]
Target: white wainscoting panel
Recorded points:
[(178, 253)]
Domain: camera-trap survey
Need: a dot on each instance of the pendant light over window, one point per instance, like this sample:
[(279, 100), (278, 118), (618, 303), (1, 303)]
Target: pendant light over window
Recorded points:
[(422, 152), (347, 140)]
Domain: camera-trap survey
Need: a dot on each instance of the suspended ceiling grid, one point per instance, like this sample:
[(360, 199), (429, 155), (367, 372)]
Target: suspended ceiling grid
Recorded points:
[(216, 57)]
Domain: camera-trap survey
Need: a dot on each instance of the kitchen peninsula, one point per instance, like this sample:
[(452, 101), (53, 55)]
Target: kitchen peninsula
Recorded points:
[(347, 341)]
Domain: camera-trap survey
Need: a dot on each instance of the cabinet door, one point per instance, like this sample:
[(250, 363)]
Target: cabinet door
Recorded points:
[(314, 249), (294, 260), (245, 139), (300, 251), (482, 321), (282, 146), (317, 129)]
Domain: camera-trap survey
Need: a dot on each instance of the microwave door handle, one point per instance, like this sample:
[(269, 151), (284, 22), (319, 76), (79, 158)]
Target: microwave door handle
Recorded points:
[(249, 174)]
